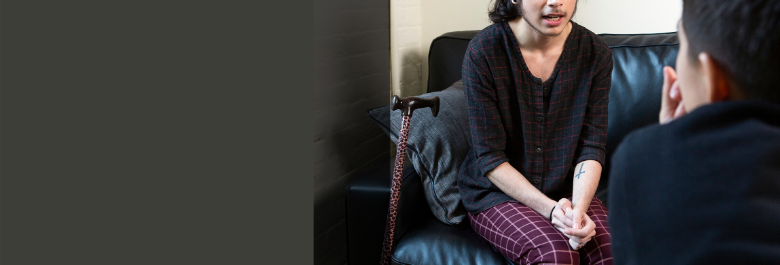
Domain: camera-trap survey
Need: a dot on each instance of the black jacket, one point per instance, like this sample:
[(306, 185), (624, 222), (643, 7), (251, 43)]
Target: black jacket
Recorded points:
[(703, 189)]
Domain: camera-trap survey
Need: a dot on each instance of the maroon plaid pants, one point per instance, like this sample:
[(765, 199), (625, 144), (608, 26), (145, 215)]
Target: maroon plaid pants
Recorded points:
[(526, 237)]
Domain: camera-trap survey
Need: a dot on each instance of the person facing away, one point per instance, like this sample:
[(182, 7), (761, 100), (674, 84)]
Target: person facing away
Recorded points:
[(703, 186), (536, 86)]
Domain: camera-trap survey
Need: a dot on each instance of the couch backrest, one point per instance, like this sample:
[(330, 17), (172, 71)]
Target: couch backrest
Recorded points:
[(635, 97)]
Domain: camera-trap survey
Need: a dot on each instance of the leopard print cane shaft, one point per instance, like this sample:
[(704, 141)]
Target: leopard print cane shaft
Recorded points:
[(395, 192)]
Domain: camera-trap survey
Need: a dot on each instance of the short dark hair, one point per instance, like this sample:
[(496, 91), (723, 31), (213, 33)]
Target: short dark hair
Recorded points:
[(504, 10), (742, 36)]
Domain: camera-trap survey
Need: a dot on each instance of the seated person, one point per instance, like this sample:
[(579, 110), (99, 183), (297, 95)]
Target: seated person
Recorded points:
[(703, 186), (536, 86)]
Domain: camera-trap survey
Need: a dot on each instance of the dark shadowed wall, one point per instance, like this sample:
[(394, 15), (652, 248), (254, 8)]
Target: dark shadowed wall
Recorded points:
[(351, 75)]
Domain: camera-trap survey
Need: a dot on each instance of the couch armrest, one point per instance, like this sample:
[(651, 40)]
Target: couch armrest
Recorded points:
[(367, 201)]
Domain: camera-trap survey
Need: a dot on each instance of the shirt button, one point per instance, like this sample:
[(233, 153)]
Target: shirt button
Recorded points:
[(538, 150), (539, 119), (545, 89)]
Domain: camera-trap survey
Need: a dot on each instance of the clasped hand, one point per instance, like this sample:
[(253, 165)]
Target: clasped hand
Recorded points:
[(574, 223)]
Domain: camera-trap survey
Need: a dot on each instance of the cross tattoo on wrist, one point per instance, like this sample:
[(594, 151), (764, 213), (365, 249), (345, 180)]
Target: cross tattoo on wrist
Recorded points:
[(578, 174)]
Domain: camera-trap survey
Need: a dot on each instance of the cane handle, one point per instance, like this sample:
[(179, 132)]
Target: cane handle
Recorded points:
[(408, 105)]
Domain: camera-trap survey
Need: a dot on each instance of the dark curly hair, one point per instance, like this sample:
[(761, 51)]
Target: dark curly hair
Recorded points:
[(504, 10)]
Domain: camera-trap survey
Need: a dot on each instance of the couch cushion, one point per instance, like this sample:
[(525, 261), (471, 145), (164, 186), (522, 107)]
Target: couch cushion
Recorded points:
[(431, 242), (635, 97), (436, 147)]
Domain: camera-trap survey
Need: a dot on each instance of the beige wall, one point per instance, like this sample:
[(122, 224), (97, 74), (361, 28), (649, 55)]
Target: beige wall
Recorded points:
[(442, 16), (629, 16), (415, 23), (406, 47)]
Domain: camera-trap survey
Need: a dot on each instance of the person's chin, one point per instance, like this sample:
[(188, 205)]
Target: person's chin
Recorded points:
[(551, 32), (554, 30)]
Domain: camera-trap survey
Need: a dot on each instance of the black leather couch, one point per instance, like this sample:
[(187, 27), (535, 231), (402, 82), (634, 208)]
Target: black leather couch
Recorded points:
[(634, 101)]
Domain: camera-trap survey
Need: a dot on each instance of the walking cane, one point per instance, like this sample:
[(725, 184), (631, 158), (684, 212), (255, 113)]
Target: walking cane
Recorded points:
[(407, 106)]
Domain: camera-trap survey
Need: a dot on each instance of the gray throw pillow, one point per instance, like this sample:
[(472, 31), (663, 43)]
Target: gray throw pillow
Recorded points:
[(436, 147)]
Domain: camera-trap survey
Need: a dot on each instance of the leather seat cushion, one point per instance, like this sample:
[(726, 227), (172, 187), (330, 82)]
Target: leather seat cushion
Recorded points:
[(432, 242)]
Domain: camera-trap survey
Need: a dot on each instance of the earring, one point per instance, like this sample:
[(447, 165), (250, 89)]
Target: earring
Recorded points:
[(514, 2)]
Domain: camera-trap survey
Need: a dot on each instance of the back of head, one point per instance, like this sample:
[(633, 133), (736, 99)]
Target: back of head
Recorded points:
[(743, 36)]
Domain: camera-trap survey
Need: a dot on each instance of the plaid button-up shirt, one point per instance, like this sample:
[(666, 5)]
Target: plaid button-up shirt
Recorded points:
[(543, 129)]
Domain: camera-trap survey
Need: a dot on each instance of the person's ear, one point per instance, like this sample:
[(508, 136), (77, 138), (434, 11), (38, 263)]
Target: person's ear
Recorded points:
[(716, 83)]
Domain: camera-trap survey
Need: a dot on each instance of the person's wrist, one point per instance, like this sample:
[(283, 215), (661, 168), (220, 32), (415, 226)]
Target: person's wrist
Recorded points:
[(580, 206), (551, 212)]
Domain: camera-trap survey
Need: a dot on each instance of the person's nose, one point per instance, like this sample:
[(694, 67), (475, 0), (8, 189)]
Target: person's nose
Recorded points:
[(554, 3)]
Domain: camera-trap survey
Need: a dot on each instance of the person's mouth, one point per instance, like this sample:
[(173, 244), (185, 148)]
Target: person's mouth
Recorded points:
[(553, 19)]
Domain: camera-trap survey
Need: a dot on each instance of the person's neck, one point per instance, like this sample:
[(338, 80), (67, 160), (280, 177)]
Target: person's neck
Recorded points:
[(530, 39)]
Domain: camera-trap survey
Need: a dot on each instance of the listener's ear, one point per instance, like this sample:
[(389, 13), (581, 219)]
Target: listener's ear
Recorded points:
[(716, 81)]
